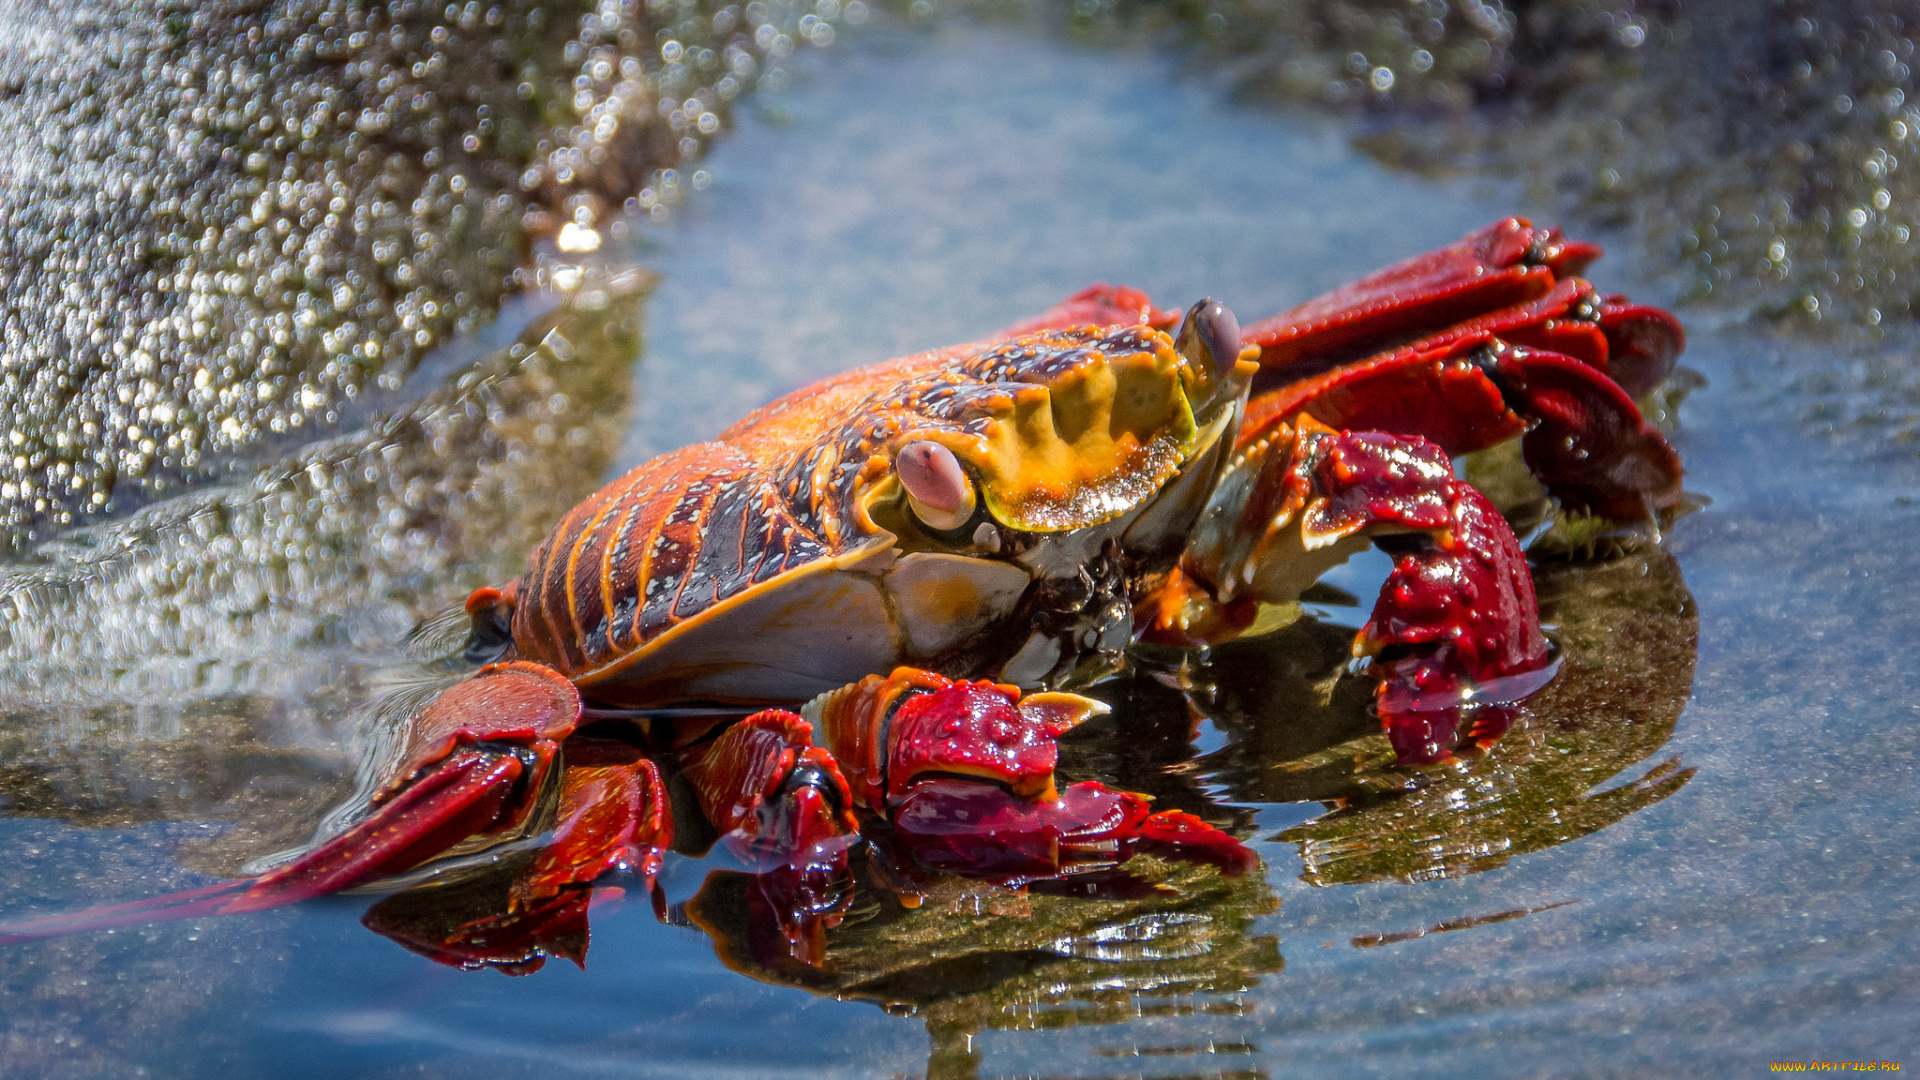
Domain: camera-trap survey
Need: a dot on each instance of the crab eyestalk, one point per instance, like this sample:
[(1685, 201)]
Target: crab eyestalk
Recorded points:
[(1223, 364), (938, 489), (1210, 337)]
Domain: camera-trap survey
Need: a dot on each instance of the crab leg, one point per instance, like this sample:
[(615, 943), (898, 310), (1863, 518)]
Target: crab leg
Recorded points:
[(1505, 264), (612, 816), (782, 807), (474, 763), (1455, 634), (1468, 346), (1584, 437)]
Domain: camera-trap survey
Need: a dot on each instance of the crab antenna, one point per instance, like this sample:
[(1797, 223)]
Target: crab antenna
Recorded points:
[(1210, 325)]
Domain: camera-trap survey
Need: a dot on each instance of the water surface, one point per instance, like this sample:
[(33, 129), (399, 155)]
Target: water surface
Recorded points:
[(1621, 886)]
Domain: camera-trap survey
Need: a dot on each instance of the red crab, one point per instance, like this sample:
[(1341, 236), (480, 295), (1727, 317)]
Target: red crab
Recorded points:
[(1020, 509)]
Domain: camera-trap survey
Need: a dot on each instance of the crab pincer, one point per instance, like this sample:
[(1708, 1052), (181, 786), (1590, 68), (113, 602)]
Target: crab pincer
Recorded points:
[(963, 772), (475, 766), (611, 814), (1455, 634)]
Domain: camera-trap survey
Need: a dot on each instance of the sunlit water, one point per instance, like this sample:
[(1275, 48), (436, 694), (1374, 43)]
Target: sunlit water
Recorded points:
[(917, 191)]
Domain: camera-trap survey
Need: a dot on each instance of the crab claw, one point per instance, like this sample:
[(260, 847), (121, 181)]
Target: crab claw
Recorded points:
[(1589, 444), (964, 774), (1456, 633), (473, 763), (980, 831), (960, 826), (612, 815), (775, 797), (1456, 628), (890, 732)]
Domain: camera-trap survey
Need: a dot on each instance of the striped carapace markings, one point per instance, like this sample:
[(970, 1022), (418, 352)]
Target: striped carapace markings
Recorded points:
[(780, 489)]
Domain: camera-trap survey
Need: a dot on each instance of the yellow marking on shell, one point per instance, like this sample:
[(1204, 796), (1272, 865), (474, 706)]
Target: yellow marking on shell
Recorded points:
[(1084, 448), (606, 571), (573, 559)]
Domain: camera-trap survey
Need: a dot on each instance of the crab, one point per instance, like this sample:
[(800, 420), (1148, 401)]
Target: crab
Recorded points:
[(865, 609)]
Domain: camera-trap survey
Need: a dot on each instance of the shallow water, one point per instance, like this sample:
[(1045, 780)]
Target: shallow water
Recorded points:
[(1739, 888)]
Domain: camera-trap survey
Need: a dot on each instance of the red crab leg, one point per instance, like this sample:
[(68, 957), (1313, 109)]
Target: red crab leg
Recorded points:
[(1468, 345), (1455, 634), (613, 815), (963, 771), (781, 805), (1509, 262), (1587, 441), (472, 763), (1636, 345), (1509, 279), (1643, 342)]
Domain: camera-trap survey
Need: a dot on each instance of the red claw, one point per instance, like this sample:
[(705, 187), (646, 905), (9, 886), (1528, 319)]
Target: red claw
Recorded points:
[(784, 809), (981, 831), (1457, 636), (977, 729), (613, 815), (777, 798), (964, 774), (473, 763)]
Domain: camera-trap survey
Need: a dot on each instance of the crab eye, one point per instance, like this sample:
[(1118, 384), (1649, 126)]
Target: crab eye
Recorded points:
[(938, 489), (1210, 336)]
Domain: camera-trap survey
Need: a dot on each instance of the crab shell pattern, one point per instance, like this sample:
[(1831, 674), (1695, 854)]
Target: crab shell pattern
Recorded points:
[(784, 559)]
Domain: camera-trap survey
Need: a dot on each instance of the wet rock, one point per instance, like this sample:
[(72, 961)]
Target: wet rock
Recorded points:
[(1755, 151), (226, 655), (226, 223)]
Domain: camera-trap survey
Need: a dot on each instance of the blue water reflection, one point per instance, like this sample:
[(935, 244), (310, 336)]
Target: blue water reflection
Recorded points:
[(917, 191)]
